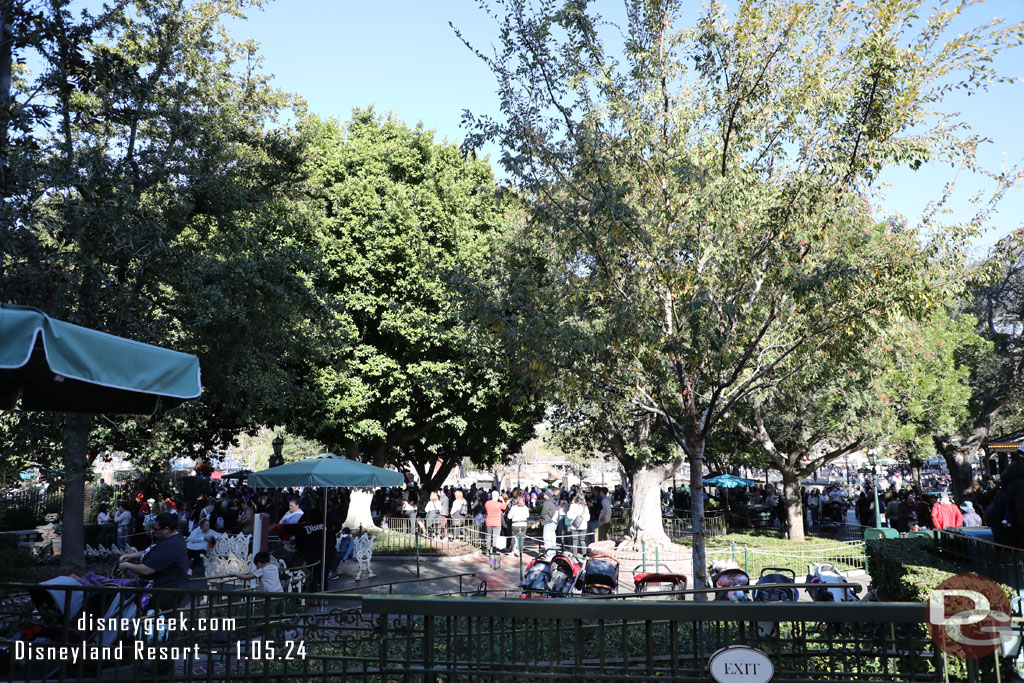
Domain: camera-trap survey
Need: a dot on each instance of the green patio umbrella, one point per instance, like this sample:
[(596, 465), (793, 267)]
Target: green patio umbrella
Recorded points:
[(326, 470), (59, 367), (56, 366), (729, 481)]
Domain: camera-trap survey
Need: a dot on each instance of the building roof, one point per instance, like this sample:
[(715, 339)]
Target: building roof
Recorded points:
[(1007, 442)]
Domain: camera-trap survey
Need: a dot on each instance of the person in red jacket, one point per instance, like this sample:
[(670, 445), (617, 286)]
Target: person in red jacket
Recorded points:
[(493, 508), (945, 514)]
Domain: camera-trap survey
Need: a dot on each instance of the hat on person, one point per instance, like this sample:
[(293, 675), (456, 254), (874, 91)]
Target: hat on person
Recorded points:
[(150, 500), (140, 496), (968, 506)]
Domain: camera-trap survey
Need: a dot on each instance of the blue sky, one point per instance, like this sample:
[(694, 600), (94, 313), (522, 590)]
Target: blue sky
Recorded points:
[(402, 56)]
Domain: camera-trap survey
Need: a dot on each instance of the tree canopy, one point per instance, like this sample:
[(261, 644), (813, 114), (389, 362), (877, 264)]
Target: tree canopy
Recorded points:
[(703, 193), (143, 196), (404, 224)]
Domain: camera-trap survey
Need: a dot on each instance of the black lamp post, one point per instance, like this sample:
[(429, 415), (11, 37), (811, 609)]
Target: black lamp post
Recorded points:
[(277, 460), (873, 459)]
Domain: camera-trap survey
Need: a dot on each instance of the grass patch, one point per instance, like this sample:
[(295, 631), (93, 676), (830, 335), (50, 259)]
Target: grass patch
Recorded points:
[(766, 539), (396, 543), (759, 549)]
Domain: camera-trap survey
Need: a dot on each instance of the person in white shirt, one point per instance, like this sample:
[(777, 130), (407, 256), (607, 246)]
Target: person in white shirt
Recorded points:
[(458, 512), (518, 515), (604, 521), (266, 571), (432, 510), (199, 542), (577, 517), (294, 514), (103, 517)]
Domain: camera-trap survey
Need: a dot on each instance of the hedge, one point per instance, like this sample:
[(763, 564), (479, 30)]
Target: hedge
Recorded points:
[(908, 570)]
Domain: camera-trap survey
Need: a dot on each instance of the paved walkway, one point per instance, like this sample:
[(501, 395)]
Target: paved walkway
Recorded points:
[(431, 573)]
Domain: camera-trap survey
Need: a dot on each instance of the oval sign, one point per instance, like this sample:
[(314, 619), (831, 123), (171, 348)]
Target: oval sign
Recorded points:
[(741, 664)]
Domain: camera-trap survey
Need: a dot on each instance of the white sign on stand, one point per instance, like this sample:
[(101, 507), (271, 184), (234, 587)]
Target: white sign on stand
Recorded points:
[(741, 664)]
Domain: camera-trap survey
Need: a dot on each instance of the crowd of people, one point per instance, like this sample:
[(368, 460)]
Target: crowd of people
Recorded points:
[(571, 517)]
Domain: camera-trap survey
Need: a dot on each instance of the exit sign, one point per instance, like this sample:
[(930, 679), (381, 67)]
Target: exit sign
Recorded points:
[(741, 664)]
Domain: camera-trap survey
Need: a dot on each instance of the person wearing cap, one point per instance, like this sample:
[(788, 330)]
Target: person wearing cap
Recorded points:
[(945, 514), (970, 516)]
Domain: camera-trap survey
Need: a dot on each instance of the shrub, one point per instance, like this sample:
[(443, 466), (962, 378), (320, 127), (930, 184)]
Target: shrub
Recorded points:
[(906, 569)]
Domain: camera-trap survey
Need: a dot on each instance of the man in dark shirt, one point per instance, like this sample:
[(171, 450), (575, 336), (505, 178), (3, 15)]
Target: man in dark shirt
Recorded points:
[(165, 562), (309, 538)]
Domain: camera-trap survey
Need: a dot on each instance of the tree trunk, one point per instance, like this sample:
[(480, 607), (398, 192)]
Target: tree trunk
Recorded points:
[(73, 532), (794, 506), (645, 524), (700, 576), (431, 481), (6, 108), (359, 516), (961, 476)]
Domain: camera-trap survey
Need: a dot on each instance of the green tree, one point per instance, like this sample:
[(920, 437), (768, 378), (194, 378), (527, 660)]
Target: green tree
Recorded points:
[(701, 196), (986, 364), (889, 391), (145, 199), (405, 225)]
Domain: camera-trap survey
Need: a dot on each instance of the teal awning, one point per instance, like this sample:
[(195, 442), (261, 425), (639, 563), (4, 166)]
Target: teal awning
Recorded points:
[(56, 366), (326, 470)]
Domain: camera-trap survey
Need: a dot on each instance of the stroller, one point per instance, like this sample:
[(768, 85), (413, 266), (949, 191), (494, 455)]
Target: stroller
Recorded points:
[(774, 575), (601, 576), (727, 574), (553, 574), (825, 573), (658, 580), (59, 611)]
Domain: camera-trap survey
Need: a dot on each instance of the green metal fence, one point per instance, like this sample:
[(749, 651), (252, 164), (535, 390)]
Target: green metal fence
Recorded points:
[(980, 554), (845, 556), (681, 528), (253, 636), (27, 507)]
